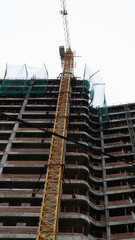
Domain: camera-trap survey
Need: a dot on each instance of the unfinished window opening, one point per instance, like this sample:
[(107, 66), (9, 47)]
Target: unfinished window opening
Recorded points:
[(118, 229)]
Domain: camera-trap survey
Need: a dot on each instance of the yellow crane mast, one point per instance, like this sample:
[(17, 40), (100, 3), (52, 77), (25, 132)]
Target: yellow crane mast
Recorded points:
[(49, 216)]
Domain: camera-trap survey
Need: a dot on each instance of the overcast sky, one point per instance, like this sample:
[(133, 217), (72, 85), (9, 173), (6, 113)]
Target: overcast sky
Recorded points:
[(102, 32)]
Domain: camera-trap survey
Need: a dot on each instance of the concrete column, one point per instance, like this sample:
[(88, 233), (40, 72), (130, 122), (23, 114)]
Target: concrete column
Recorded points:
[(12, 136), (105, 188)]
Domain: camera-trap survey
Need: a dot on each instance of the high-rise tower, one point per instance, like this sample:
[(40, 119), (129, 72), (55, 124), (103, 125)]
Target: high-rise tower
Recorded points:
[(97, 200)]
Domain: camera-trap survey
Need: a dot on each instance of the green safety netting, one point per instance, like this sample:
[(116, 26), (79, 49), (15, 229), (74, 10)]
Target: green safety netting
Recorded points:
[(24, 79), (94, 85)]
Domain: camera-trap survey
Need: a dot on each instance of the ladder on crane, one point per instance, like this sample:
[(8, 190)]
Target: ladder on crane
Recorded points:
[(49, 216)]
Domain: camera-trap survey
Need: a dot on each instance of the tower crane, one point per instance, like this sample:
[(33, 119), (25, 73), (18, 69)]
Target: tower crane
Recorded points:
[(50, 208)]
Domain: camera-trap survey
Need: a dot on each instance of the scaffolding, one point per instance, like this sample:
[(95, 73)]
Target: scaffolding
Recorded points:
[(94, 85), (19, 80)]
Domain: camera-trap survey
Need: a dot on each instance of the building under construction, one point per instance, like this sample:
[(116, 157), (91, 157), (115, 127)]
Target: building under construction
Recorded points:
[(66, 161), (97, 200)]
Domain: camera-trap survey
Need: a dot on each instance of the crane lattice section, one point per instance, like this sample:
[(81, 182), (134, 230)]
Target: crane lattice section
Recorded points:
[(48, 225)]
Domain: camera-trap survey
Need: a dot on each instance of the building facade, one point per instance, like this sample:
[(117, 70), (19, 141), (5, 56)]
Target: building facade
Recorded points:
[(98, 191)]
